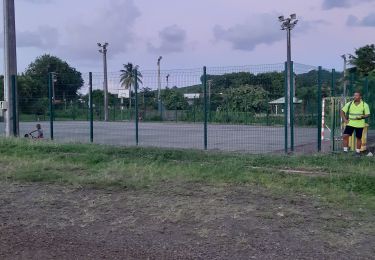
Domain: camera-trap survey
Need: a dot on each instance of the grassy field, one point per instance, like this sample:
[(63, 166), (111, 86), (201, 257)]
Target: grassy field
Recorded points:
[(338, 179), (90, 201)]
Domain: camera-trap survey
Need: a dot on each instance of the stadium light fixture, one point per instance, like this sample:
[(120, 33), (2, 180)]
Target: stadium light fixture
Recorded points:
[(288, 23)]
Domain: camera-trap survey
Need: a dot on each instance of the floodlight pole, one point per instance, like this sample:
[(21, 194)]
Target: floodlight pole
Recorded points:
[(345, 81), (104, 50), (159, 86), (288, 24), (10, 69), (289, 73), (167, 78)]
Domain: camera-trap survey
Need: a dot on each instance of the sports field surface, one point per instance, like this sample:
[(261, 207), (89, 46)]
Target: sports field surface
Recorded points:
[(239, 138)]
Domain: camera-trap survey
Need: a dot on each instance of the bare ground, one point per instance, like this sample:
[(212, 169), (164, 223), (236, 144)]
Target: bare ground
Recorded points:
[(176, 221)]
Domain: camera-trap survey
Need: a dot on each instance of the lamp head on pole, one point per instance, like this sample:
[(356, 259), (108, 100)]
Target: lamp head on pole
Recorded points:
[(103, 47), (288, 23)]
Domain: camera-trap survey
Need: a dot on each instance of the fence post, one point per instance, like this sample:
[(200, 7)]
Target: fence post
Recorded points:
[(114, 108), (291, 106), (194, 109), (246, 120), (91, 109), (333, 83), (50, 100), (205, 106), (14, 105), (333, 112), (175, 109), (366, 89), (286, 108), (319, 125), (136, 106), (100, 110), (351, 84)]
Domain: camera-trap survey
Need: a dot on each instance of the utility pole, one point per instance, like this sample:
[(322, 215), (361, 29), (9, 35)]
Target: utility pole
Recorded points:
[(159, 86), (10, 69), (345, 81), (103, 50)]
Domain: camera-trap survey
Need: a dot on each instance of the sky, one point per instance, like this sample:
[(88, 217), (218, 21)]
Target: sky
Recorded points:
[(191, 33)]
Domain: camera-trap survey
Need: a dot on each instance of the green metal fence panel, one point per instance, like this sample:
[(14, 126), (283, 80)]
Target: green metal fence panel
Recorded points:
[(239, 109), (306, 108), (246, 108), (182, 109), (58, 102)]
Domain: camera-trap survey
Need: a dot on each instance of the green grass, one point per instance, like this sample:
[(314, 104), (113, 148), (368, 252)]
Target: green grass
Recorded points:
[(339, 179)]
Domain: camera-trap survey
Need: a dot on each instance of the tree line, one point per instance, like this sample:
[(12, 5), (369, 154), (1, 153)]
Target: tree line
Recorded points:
[(241, 91)]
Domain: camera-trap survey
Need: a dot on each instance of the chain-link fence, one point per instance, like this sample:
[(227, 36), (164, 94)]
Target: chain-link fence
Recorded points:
[(241, 109)]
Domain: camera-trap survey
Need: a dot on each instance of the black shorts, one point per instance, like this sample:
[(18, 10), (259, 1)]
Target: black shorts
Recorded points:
[(349, 131)]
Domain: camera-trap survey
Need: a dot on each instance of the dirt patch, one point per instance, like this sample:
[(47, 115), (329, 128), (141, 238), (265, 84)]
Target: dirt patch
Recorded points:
[(175, 221), (302, 172)]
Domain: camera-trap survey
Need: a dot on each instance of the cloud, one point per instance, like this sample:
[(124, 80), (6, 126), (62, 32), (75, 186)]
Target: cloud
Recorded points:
[(113, 23), (368, 21), (172, 39), (330, 4), (307, 25), (45, 37), (259, 29), (39, 1)]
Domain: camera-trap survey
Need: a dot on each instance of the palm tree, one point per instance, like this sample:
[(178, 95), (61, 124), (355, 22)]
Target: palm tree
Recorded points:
[(127, 78)]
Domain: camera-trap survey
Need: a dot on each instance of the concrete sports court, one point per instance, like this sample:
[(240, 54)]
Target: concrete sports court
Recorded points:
[(237, 138)]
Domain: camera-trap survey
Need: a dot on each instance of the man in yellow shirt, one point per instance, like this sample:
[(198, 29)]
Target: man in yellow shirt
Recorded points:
[(354, 114)]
